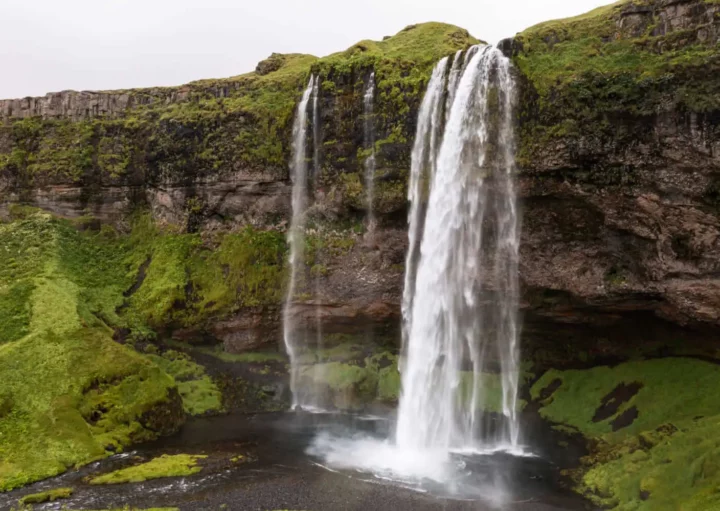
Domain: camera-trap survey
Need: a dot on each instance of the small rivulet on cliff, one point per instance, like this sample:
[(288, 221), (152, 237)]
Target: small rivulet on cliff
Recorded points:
[(165, 213)]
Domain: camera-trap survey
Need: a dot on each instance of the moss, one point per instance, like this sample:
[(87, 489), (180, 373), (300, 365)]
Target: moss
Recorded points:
[(592, 77), (247, 268), (75, 392), (188, 282), (177, 465), (200, 395), (686, 386), (672, 469), (667, 456), (46, 496)]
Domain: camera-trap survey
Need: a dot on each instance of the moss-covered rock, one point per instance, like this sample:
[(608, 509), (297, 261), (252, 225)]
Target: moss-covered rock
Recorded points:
[(652, 427), (200, 394), (597, 77), (75, 394), (176, 465), (46, 496)]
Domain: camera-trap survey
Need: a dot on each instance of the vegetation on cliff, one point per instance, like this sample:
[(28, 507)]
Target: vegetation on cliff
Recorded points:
[(68, 392), (619, 62), (241, 123), (185, 280)]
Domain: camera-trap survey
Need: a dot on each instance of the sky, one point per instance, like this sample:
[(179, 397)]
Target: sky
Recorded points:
[(52, 45)]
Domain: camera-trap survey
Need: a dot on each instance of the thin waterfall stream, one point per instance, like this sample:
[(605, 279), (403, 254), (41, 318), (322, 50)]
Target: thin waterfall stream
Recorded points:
[(294, 340), (369, 143)]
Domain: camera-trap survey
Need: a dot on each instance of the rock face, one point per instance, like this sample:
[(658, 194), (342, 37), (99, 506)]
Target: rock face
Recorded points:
[(620, 171), (619, 163)]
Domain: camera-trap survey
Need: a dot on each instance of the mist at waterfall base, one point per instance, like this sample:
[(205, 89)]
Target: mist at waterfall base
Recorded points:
[(460, 296)]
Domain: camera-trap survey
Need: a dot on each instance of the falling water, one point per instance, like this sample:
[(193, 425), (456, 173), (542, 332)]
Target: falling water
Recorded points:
[(460, 303), (422, 169), (369, 142), (296, 238), (309, 397), (453, 80)]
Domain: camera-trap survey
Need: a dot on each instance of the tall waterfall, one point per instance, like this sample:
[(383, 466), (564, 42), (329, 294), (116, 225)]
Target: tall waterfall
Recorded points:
[(422, 169), (369, 142), (461, 287), (296, 235)]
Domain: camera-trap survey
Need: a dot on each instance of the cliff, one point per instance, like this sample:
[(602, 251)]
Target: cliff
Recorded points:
[(618, 159), (620, 123)]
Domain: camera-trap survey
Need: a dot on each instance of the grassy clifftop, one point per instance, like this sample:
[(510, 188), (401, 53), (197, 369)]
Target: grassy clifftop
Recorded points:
[(630, 59), (211, 126)]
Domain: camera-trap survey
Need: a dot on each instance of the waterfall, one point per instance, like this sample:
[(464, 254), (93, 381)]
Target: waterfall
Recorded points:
[(461, 286), (369, 143), (422, 168), (309, 398), (453, 79), (296, 235)]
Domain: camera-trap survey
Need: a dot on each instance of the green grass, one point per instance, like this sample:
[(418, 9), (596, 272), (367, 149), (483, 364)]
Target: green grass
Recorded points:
[(555, 53), (661, 471), (587, 71), (68, 391), (199, 393), (46, 496), (188, 282), (673, 389), (669, 457), (177, 465)]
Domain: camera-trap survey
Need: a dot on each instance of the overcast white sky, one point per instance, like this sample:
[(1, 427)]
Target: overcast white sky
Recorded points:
[(52, 45)]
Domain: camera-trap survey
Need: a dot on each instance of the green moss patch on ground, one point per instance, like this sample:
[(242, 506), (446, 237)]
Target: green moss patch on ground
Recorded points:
[(69, 392), (674, 467), (666, 455), (672, 389), (46, 496), (176, 465)]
